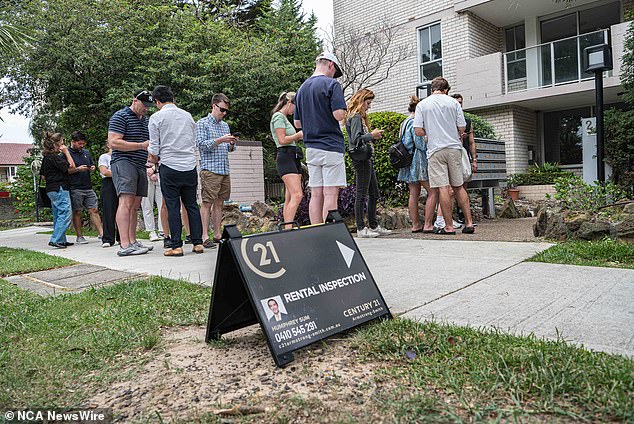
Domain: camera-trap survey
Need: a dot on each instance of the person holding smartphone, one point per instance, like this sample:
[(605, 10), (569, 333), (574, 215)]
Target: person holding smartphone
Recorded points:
[(360, 134), (215, 142), (289, 155)]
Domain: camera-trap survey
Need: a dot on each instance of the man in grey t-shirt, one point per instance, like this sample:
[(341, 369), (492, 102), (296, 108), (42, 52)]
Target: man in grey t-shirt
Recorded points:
[(440, 118)]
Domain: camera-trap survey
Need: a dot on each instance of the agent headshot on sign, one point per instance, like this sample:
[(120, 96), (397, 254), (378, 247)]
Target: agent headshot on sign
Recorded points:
[(278, 316)]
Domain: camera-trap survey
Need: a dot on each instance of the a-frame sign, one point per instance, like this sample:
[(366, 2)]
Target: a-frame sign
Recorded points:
[(302, 286)]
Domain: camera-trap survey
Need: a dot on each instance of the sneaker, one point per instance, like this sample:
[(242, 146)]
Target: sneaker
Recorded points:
[(140, 245), (177, 251), (66, 243), (81, 240), (167, 242), (57, 245), (456, 224), (188, 240), (367, 233), (161, 235), (154, 236), (131, 250), (100, 236), (440, 222), (382, 231), (106, 244)]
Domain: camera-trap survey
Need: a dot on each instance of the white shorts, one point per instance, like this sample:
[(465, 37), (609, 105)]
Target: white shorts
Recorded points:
[(325, 169)]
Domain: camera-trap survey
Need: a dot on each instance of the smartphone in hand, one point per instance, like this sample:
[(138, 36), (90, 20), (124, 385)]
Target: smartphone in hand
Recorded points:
[(237, 134)]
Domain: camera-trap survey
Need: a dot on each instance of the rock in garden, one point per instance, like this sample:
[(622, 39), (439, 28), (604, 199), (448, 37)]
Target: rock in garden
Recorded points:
[(262, 210), (593, 230), (509, 210)]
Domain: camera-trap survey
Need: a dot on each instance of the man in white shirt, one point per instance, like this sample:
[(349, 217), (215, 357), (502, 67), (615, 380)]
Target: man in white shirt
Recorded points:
[(173, 142), (440, 118)]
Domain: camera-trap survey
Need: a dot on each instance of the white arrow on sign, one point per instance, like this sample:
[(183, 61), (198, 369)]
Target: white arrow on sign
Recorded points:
[(346, 252)]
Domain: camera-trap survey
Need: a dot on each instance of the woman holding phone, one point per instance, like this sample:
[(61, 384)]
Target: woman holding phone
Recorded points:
[(55, 166), (360, 140), (289, 155)]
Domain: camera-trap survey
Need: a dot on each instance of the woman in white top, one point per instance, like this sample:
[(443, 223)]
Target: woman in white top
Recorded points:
[(288, 153), (109, 200)]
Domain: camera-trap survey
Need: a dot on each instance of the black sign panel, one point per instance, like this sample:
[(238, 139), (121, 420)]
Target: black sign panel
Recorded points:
[(302, 286)]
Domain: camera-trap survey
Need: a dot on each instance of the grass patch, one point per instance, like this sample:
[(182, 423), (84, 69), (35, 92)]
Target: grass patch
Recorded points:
[(56, 350), (605, 253), (20, 261), (465, 374)]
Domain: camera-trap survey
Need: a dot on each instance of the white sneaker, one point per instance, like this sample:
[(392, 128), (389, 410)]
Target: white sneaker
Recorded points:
[(138, 245), (382, 231), (440, 222), (161, 235), (154, 236), (81, 240), (367, 233), (456, 224), (104, 245)]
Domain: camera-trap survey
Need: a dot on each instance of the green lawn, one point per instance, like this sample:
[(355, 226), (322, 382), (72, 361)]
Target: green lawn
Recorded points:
[(606, 253), (20, 261), (55, 351)]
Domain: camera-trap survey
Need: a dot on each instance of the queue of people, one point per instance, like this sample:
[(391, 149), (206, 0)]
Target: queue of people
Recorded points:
[(153, 161)]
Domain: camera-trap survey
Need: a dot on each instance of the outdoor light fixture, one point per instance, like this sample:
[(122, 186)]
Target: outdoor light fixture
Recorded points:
[(427, 90), (598, 59)]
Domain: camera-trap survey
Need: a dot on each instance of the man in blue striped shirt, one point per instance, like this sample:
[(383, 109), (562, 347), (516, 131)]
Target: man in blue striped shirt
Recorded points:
[(129, 138), (214, 142)]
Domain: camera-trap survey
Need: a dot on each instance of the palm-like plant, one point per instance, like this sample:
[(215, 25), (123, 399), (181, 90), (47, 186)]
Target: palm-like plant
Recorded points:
[(12, 38)]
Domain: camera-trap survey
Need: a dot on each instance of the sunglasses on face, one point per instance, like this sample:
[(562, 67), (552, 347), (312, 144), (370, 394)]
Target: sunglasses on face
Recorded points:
[(222, 109)]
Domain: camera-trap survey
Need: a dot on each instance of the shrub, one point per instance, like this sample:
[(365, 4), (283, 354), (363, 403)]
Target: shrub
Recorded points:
[(538, 175), (481, 128), (619, 149), (574, 194)]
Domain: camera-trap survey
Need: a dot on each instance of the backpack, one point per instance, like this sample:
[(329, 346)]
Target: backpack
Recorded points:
[(400, 157)]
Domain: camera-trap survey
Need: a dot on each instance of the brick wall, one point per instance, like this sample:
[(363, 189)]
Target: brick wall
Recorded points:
[(518, 127)]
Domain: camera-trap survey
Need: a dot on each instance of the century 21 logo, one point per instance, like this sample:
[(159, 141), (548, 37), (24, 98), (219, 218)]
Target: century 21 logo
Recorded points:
[(268, 255)]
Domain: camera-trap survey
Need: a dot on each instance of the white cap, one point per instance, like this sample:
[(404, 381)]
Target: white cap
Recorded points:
[(331, 57)]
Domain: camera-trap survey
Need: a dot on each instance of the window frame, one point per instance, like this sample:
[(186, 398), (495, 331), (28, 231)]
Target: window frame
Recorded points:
[(421, 64)]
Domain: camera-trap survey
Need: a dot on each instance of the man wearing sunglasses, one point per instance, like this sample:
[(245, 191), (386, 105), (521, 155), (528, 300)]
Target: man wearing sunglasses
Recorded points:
[(214, 142), (129, 138)]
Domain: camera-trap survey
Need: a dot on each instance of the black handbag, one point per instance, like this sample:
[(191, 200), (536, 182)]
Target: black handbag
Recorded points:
[(43, 201), (361, 152)]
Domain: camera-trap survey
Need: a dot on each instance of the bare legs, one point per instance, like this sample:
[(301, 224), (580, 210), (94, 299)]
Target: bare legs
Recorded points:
[(293, 195), (127, 218)]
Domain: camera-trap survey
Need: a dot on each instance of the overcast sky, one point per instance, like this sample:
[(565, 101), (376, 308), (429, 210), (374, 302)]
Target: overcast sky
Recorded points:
[(15, 128)]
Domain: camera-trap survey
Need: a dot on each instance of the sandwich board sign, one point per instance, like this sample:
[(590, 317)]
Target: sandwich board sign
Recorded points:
[(301, 286)]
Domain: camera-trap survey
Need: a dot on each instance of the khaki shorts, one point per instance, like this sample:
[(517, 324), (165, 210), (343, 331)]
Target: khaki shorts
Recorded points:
[(214, 186), (325, 169), (445, 168)]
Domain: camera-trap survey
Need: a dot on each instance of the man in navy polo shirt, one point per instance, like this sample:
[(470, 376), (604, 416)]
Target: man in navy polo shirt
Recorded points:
[(129, 138), (319, 106), (82, 196)]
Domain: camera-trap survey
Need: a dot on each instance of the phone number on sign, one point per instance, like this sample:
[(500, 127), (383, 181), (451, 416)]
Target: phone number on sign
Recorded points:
[(295, 331)]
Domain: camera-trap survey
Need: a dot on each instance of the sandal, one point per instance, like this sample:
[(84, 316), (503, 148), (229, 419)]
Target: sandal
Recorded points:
[(468, 230), (445, 232), (420, 230), (208, 244), (428, 231)]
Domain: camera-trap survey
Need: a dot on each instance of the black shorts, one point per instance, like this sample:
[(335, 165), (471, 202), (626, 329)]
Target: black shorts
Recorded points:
[(288, 160)]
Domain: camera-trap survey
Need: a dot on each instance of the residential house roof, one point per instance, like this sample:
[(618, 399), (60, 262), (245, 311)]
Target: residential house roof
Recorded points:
[(13, 153)]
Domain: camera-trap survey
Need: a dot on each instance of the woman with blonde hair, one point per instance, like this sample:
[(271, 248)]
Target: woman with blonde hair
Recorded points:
[(289, 155), (360, 139), (416, 175), (56, 164)]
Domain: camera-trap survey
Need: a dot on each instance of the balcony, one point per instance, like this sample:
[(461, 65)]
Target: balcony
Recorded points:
[(550, 64), (544, 77)]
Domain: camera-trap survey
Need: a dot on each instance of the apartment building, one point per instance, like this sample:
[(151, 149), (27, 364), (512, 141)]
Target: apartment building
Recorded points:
[(517, 63)]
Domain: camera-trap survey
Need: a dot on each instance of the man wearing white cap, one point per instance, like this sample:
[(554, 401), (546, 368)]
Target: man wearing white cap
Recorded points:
[(319, 106)]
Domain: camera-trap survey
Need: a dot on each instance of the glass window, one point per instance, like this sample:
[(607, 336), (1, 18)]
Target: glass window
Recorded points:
[(430, 55), (601, 17), (516, 63), (563, 136), (558, 28)]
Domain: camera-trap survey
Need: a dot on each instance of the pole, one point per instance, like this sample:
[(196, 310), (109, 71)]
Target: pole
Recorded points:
[(598, 87)]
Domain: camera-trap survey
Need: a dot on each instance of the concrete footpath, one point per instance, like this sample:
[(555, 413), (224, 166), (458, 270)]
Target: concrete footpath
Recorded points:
[(475, 283)]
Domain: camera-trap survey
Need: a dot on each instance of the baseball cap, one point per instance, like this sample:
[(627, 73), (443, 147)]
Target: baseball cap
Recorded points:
[(331, 57), (144, 96)]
